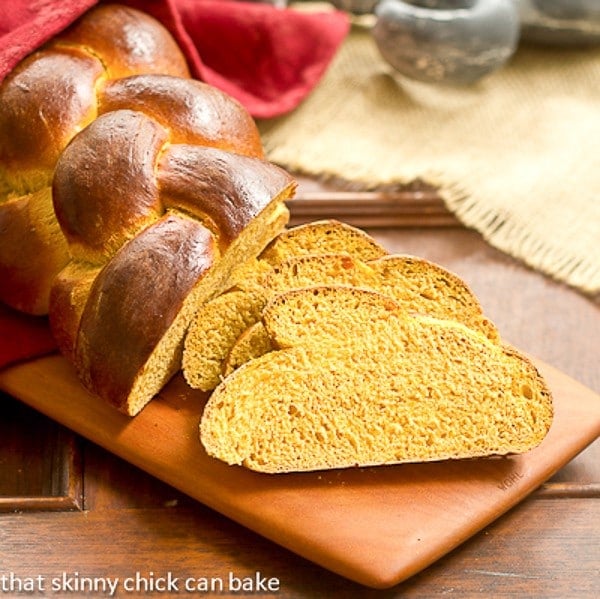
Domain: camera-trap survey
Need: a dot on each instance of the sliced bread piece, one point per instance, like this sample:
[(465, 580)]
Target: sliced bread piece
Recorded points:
[(316, 237), (322, 237), (218, 325), (428, 288), (125, 354), (362, 383), (208, 341), (418, 285)]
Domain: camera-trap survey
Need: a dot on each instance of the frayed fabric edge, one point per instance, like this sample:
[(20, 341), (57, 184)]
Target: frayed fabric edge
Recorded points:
[(498, 229), (501, 232)]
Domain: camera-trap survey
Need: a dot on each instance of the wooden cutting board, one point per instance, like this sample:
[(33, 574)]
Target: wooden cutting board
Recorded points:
[(376, 526)]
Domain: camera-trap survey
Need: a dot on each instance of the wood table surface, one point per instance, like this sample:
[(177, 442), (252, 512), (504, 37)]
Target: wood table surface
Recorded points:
[(73, 514)]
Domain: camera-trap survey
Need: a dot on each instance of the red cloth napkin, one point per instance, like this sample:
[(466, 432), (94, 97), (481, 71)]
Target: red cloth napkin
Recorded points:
[(266, 57), (23, 336)]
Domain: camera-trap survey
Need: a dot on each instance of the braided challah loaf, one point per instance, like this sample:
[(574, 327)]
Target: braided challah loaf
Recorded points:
[(155, 227), (157, 195), (44, 102)]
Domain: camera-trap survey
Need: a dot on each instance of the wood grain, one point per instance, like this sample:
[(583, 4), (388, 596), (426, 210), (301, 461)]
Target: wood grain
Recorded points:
[(544, 548), (417, 205), (40, 462)]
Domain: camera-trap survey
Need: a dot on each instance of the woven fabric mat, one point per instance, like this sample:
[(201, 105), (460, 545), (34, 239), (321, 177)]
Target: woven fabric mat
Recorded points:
[(516, 156)]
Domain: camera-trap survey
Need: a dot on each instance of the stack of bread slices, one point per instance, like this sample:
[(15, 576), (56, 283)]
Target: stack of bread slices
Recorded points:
[(330, 353)]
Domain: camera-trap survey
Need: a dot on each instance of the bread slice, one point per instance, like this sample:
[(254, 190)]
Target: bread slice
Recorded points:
[(217, 325), (322, 237), (427, 288), (316, 237), (220, 323), (420, 286), (295, 272), (359, 382), (211, 347), (223, 320)]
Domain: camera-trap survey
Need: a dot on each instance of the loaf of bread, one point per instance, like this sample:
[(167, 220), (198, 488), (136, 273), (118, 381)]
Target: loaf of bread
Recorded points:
[(176, 220), (49, 97), (360, 382), (217, 339), (153, 190)]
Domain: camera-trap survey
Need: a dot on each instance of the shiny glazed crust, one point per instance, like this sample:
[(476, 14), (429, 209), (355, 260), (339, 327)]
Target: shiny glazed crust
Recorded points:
[(158, 269), (154, 187), (49, 97)]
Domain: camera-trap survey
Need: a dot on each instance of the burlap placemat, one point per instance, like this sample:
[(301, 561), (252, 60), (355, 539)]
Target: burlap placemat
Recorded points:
[(516, 156)]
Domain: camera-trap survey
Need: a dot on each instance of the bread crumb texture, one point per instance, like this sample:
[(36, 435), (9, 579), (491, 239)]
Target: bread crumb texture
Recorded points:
[(218, 325), (358, 381), (222, 321)]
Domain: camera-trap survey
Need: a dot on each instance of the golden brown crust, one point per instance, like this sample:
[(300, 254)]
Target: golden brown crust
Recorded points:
[(225, 190), (141, 297), (63, 83), (159, 188), (135, 299), (27, 267), (44, 102), (68, 297), (122, 148), (192, 111), (110, 41), (127, 40)]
